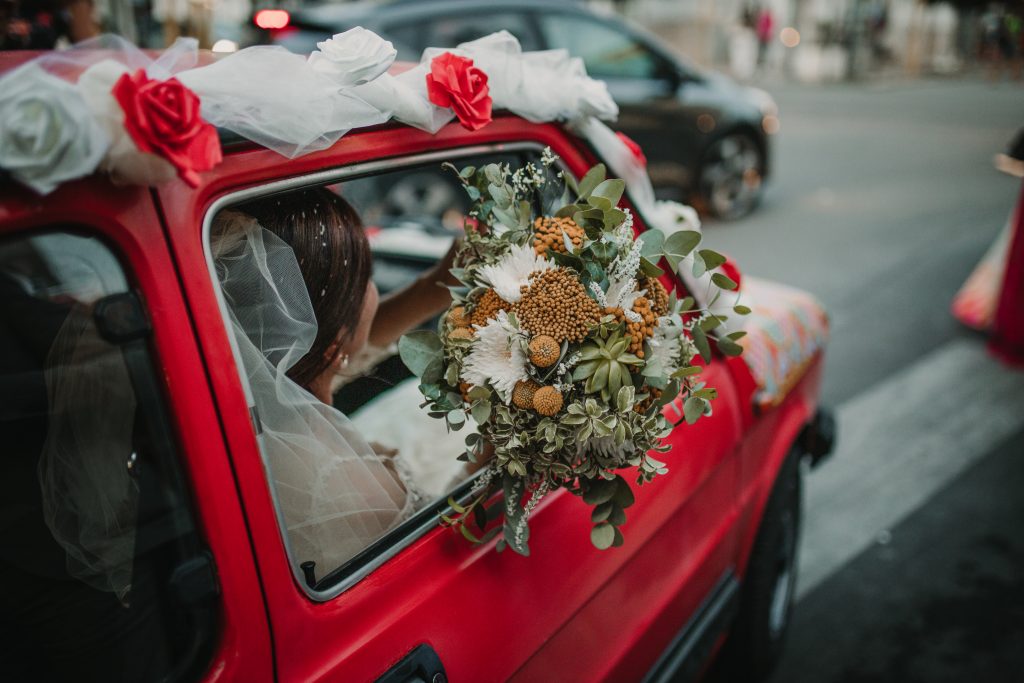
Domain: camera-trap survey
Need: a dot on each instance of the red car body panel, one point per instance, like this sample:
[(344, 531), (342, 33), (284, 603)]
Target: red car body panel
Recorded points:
[(568, 611), (127, 220)]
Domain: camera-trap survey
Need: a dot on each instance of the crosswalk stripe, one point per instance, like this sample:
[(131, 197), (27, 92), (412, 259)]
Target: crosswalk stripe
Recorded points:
[(901, 441)]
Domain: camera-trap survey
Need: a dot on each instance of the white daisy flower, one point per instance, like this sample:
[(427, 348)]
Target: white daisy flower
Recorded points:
[(513, 270), (496, 358)]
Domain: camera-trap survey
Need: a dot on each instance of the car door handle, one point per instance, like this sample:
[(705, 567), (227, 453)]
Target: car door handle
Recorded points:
[(421, 665)]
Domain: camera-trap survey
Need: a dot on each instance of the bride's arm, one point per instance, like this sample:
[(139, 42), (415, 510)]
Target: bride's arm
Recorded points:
[(415, 304)]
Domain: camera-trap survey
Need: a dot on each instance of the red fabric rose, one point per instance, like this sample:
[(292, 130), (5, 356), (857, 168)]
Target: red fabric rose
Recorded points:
[(454, 82), (162, 118), (634, 148)]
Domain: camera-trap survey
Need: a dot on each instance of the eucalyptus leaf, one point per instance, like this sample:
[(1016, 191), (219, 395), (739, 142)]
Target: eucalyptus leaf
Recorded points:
[(418, 348), (740, 309), (649, 268), (481, 411), (611, 190), (712, 259), (693, 408), (700, 340), (651, 243), (679, 244), (724, 281), (594, 177), (602, 536)]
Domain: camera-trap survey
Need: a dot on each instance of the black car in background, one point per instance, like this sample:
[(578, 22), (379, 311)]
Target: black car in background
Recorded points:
[(705, 136)]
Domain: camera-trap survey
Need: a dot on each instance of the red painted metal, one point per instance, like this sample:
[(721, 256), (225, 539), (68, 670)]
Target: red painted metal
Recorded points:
[(126, 219), (567, 612)]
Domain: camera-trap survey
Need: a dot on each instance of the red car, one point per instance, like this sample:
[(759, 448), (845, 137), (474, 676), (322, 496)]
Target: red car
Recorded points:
[(707, 566)]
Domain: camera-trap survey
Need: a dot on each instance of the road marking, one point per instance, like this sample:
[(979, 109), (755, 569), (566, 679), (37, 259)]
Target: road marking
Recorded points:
[(901, 441)]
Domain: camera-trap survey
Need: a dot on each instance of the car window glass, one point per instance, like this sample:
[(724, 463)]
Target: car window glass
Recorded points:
[(449, 31), (606, 52), (94, 513), (410, 217)]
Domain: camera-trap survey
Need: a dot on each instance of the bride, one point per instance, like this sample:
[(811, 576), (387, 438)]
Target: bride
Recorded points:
[(295, 273)]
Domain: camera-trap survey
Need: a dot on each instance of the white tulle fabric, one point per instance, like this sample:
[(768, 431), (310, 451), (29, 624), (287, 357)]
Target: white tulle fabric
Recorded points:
[(90, 501), (333, 493)]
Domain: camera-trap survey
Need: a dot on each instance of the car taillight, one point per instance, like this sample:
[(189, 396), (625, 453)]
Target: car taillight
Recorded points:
[(272, 18)]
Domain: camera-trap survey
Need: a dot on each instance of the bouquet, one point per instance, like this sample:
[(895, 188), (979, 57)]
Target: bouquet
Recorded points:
[(564, 348)]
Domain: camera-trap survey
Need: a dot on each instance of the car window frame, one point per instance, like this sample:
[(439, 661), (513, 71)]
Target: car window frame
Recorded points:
[(388, 546), (528, 16)]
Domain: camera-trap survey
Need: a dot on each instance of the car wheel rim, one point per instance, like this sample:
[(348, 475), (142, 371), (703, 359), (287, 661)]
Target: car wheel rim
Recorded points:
[(782, 591), (731, 176)]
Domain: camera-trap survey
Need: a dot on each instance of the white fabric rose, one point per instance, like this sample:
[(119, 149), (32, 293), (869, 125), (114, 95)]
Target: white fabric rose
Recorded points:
[(126, 163), (354, 57), (47, 135)]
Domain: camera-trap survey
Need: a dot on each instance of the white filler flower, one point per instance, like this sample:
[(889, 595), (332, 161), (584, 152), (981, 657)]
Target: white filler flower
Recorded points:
[(513, 270), (496, 358), (47, 135), (354, 57)]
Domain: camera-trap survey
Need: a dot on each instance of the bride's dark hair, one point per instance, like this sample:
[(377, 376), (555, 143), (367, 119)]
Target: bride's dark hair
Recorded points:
[(330, 245)]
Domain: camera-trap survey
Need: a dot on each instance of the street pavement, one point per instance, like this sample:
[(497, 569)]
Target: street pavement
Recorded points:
[(883, 199)]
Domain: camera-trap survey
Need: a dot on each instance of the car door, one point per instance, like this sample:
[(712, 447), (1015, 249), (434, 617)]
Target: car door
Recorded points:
[(421, 591), (125, 552)]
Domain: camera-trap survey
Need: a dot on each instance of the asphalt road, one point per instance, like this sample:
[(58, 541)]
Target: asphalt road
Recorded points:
[(884, 197)]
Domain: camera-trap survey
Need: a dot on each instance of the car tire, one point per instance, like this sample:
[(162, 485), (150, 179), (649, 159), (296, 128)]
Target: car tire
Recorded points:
[(730, 176), (766, 601)]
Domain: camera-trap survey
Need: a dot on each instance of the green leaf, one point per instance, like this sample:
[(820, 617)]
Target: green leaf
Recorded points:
[(468, 534), (687, 303), (736, 336), (592, 179), (712, 259), (687, 371), (418, 349), (619, 540), (481, 411), (617, 516), (623, 493), (699, 267), (723, 281), (700, 340), (570, 183), (693, 408), (611, 190), (729, 348), (602, 536), (434, 371), (455, 506), (649, 268), (598, 491), (601, 512), (740, 309), (467, 172), (679, 244), (651, 243)]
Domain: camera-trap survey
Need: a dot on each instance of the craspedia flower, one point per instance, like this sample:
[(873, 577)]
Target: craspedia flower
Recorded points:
[(544, 351), (461, 333), (547, 401), (487, 307), (548, 234), (522, 394), (556, 304), (457, 317)]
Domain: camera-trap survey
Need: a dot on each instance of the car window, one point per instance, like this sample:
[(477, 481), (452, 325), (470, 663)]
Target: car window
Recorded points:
[(449, 31), (606, 51), (97, 527), (410, 217)]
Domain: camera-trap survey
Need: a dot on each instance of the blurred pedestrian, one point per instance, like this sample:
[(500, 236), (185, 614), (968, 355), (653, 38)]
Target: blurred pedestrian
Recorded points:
[(992, 299), (765, 33)]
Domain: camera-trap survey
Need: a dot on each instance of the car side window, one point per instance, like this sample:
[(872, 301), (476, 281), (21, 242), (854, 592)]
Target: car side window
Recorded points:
[(410, 217), (97, 526), (449, 31), (606, 51)]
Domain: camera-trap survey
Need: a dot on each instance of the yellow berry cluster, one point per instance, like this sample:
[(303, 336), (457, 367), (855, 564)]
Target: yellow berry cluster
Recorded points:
[(645, 404), (487, 307), (658, 295), (640, 330), (548, 234), (555, 304)]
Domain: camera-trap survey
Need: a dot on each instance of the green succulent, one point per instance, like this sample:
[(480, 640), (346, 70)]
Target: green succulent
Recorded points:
[(604, 364)]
